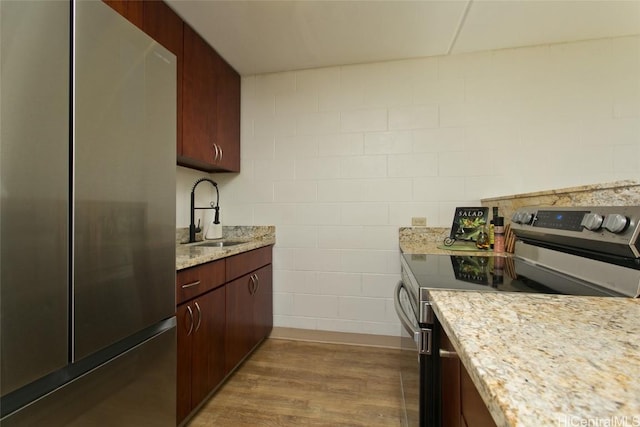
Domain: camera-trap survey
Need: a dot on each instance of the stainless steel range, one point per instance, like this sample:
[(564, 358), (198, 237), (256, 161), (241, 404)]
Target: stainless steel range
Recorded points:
[(590, 251)]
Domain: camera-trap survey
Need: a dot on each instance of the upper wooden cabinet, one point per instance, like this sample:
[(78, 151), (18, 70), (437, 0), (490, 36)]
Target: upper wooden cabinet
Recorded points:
[(130, 9), (198, 102), (210, 109), (165, 26), (228, 115), (208, 122)]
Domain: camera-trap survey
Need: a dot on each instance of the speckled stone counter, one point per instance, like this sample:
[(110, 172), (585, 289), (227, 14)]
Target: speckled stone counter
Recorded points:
[(429, 240), (545, 360), (252, 237), (619, 193)]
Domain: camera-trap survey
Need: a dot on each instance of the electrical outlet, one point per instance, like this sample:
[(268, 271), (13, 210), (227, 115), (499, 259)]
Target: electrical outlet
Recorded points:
[(419, 221)]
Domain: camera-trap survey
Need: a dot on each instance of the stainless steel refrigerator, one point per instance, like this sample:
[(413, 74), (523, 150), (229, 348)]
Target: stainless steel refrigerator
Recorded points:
[(87, 225)]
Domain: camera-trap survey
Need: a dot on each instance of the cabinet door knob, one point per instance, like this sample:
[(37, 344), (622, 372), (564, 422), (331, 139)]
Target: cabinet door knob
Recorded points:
[(199, 317), (216, 152), (257, 283), (252, 284), (190, 313), (221, 153)]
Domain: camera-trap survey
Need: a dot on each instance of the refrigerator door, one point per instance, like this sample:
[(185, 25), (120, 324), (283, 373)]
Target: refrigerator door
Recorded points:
[(34, 186), (124, 182), (137, 388)]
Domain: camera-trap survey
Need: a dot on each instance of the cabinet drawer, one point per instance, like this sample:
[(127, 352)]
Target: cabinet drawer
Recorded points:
[(194, 281), (239, 265)]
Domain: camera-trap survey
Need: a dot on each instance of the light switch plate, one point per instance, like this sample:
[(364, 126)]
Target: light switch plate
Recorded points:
[(419, 221)]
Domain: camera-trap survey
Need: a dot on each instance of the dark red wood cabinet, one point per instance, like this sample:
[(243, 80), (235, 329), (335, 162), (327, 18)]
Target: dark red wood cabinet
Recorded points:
[(450, 384), (225, 309), (200, 349), (249, 303), (165, 26), (249, 314), (198, 103), (210, 108), (461, 403), (130, 9), (208, 98), (228, 115)]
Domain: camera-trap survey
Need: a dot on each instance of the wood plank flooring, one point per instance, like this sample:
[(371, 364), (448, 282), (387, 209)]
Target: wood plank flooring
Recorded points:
[(296, 383)]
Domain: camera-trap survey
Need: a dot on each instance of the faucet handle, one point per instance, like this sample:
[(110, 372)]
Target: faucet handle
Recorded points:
[(198, 229)]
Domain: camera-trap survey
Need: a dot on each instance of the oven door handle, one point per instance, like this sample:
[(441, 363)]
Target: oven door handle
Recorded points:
[(421, 336)]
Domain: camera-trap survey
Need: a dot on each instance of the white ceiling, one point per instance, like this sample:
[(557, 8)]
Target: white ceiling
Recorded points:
[(268, 36)]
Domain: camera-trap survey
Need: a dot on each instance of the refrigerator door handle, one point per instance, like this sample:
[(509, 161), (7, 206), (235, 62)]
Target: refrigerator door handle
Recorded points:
[(190, 312)]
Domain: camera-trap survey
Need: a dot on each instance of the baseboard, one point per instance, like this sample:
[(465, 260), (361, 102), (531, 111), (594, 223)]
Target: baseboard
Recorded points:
[(331, 337)]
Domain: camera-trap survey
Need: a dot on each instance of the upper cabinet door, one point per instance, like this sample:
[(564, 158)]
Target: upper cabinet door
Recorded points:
[(228, 116), (210, 109), (208, 122), (130, 9), (198, 103), (165, 26)]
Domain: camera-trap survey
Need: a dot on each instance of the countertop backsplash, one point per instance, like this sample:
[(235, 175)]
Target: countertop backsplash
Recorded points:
[(230, 232), (619, 193)]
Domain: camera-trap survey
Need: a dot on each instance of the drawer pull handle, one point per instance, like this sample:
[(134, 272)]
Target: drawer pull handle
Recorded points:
[(448, 354), (189, 285)]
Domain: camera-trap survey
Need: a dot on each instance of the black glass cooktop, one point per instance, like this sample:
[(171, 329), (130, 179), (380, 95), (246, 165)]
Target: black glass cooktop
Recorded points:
[(488, 273)]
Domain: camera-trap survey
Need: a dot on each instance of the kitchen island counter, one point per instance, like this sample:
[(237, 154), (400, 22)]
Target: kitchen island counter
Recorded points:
[(548, 360), (252, 237)]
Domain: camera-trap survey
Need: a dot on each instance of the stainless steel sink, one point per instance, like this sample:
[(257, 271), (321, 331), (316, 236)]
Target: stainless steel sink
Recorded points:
[(222, 244)]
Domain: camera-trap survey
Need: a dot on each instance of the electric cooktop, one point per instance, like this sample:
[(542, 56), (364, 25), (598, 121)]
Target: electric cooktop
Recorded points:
[(492, 273)]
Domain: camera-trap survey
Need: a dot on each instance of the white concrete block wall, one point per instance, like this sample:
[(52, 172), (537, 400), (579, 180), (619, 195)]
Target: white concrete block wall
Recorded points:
[(338, 158)]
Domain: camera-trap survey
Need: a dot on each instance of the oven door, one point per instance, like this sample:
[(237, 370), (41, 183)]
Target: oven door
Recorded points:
[(417, 366)]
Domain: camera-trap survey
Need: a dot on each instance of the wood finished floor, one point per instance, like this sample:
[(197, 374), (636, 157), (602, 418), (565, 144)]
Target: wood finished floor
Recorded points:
[(295, 383)]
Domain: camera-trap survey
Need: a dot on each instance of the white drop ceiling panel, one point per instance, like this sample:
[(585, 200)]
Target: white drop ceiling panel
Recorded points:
[(268, 36), (264, 36), (491, 24)]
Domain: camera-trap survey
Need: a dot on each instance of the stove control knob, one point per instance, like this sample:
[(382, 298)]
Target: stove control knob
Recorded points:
[(516, 217), (526, 217), (615, 223), (592, 221)]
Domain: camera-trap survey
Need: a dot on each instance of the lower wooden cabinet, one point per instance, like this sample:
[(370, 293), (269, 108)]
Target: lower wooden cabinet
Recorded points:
[(450, 384), (249, 314), (461, 403), (201, 328), (474, 411), (225, 308)]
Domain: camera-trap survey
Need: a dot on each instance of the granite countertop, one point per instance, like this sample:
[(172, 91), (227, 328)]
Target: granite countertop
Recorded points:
[(548, 360), (430, 240), (252, 237)]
